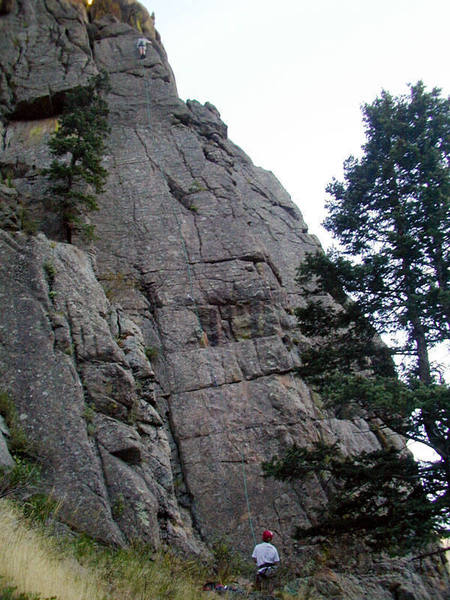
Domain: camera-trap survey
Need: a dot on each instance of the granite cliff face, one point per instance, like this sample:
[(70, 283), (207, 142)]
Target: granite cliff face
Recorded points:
[(155, 367)]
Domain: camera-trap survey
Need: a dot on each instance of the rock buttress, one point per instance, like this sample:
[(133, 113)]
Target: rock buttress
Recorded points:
[(196, 251), (156, 367)]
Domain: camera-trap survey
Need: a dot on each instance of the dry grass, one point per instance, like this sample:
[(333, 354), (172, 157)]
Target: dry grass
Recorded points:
[(36, 563), (30, 561), (164, 576)]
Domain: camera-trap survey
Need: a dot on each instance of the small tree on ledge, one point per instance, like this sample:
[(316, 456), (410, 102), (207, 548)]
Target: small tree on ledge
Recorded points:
[(78, 146)]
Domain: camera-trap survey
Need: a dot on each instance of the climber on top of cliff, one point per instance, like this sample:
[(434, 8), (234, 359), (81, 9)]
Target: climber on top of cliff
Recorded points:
[(142, 46)]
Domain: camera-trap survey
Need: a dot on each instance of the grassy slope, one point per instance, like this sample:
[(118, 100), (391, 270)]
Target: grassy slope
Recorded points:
[(36, 563)]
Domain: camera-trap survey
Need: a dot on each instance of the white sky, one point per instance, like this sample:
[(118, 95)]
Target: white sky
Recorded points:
[(289, 76)]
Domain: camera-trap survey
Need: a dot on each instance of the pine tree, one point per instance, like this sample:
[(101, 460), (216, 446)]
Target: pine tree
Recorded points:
[(376, 493), (78, 145), (390, 216)]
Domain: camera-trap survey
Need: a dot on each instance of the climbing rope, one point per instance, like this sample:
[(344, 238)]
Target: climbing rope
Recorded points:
[(203, 338), (188, 266), (183, 243), (244, 477), (147, 93)]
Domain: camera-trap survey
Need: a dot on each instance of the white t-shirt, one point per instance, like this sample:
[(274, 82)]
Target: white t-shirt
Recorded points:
[(265, 553), (143, 42)]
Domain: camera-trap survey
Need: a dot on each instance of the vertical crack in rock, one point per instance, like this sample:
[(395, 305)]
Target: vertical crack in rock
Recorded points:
[(182, 492)]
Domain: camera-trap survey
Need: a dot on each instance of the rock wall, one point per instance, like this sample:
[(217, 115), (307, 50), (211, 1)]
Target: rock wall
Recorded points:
[(154, 368)]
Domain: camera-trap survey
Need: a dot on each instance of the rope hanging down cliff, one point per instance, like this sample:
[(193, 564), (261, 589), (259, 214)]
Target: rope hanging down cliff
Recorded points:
[(247, 499), (203, 338)]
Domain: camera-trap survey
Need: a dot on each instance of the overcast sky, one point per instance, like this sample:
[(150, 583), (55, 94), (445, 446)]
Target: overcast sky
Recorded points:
[(289, 77)]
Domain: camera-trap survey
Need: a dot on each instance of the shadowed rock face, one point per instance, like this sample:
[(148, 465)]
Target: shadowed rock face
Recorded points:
[(6, 6), (154, 369)]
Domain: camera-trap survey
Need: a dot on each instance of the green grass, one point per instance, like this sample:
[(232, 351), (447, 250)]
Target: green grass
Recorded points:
[(10, 593), (18, 442), (151, 352)]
